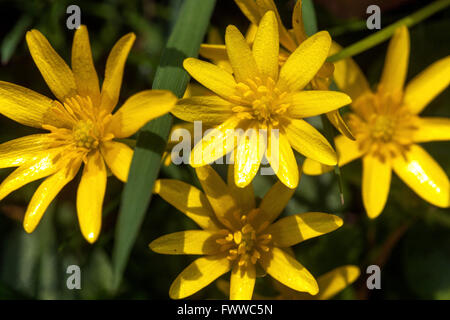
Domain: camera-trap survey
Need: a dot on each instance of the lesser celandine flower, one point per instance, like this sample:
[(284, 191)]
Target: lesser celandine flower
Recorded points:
[(237, 234), (80, 124), (260, 96), (388, 128), (330, 284), (254, 10)]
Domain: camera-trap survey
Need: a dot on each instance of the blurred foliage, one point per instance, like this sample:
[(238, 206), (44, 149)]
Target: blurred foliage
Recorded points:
[(410, 240)]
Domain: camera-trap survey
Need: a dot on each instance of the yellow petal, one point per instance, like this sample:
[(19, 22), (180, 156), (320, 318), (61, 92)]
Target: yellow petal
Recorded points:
[(189, 200), (303, 64), (18, 151), (118, 158), (333, 282), (396, 64), (114, 72), (424, 176), (214, 52), (240, 55), (40, 167), (186, 242), (427, 85), (375, 185), (216, 143), (211, 110), (286, 269), (348, 76), (212, 77), (245, 197), (347, 151), (219, 196), (23, 105), (266, 46), (272, 204), (311, 103), (140, 109), (432, 129), (285, 37), (338, 122), (198, 275), (46, 192), (294, 229), (249, 153), (53, 68), (297, 23), (242, 282), (91, 192), (311, 143), (282, 159), (250, 9), (83, 66)]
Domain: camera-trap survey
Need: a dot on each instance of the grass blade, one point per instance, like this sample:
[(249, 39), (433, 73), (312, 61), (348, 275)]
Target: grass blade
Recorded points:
[(184, 41)]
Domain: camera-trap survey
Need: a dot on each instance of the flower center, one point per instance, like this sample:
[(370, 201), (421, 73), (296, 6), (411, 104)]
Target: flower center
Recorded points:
[(246, 244), (383, 126), (84, 135), (262, 100)]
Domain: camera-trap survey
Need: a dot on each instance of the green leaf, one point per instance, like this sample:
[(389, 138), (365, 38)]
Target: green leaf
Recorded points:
[(387, 32), (309, 17), (12, 39), (184, 41)]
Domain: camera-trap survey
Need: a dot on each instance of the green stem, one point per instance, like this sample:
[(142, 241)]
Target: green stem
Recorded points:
[(387, 32)]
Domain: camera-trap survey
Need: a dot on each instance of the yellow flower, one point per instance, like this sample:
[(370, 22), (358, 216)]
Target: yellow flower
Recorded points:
[(81, 128), (388, 128), (289, 40), (237, 235), (260, 96), (330, 284)]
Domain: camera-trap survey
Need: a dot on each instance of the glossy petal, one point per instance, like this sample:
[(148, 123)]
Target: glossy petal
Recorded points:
[(83, 68), (249, 154), (53, 68), (294, 229), (333, 282), (297, 23), (375, 185), (245, 197), (214, 52), (23, 105), (41, 167), (46, 192), (91, 192), (18, 151), (432, 129), (347, 151), (311, 143), (305, 104), (217, 142), (240, 55), (189, 200), (396, 64), (211, 110), (303, 64), (348, 76), (284, 268), (282, 159), (427, 85), (424, 176), (186, 242), (118, 158), (212, 77), (219, 196), (250, 9), (198, 275), (339, 123), (242, 282), (115, 65), (272, 204), (140, 109), (266, 46)]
